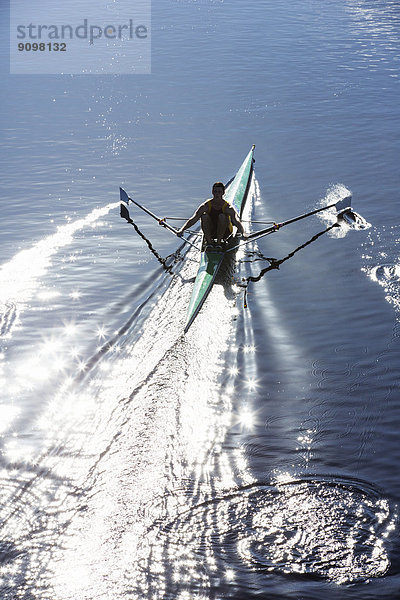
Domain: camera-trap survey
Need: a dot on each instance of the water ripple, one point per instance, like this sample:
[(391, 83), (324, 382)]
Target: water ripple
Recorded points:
[(388, 276), (325, 528), (8, 316)]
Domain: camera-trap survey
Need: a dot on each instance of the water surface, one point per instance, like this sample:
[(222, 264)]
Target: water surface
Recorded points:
[(258, 455)]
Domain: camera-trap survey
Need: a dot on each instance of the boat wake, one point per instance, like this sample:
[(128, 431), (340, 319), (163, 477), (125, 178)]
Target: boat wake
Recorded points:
[(21, 277), (119, 429), (139, 482)]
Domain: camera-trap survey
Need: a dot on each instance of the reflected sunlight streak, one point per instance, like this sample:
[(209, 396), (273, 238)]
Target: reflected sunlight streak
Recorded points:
[(19, 277)]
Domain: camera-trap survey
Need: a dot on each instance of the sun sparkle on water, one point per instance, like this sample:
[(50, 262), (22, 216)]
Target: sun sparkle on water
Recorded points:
[(249, 349), (69, 329), (251, 384), (101, 332), (48, 295), (8, 412), (50, 347), (246, 418)]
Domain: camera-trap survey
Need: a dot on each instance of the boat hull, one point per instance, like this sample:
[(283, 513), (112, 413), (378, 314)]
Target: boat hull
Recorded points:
[(210, 262)]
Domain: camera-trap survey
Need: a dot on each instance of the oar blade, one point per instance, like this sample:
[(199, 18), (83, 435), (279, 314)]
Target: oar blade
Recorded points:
[(343, 204), (346, 214), (123, 196)]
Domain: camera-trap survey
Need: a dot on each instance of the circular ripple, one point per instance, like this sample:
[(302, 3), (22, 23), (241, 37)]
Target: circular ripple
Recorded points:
[(327, 528), (386, 274)]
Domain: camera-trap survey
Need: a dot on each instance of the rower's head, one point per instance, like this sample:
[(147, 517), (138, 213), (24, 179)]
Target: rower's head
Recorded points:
[(218, 189)]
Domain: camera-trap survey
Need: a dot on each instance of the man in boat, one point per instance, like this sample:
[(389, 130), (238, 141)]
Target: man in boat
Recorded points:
[(217, 218)]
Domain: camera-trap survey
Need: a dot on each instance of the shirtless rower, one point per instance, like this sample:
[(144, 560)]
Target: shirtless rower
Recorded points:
[(217, 217)]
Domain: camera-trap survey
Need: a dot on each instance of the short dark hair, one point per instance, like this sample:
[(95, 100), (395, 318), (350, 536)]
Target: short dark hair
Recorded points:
[(219, 184)]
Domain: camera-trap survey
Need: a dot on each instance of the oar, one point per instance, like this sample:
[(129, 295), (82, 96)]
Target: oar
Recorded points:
[(125, 215), (341, 206), (125, 198)]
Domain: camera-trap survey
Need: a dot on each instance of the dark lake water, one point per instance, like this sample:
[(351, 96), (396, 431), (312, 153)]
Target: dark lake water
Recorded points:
[(257, 456)]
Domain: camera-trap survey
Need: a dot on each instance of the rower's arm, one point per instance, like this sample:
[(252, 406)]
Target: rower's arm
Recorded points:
[(236, 221), (193, 219)]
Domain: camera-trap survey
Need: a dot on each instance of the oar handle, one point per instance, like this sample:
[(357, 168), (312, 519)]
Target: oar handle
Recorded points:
[(125, 198)]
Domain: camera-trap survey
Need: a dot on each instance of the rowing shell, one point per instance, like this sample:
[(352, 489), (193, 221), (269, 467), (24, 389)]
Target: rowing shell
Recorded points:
[(210, 262), (236, 195)]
